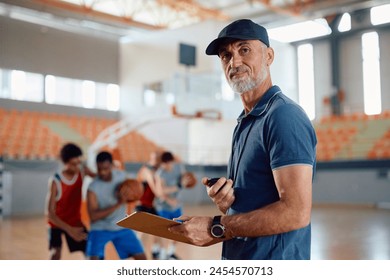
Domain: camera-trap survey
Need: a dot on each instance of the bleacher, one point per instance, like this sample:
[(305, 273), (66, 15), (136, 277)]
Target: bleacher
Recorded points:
[(39, 135), (353, 137)]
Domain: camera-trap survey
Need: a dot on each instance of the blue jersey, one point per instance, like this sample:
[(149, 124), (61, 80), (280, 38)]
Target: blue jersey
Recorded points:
[(106, 197), (275, 134), (171, 180)]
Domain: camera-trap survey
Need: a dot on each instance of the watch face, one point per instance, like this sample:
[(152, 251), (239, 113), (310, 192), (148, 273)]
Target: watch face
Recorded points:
[(217, 231)]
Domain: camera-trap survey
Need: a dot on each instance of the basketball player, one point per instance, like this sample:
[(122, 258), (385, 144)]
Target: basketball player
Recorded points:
[(64, 203), (146, 175), (105, 209), (168, 179)]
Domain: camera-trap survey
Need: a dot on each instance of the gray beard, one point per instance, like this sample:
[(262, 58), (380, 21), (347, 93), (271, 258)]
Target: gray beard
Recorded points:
[(241, 86)]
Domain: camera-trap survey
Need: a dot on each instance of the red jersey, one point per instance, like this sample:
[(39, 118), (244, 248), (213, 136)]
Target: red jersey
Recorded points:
[(69, 195), (148, 196)]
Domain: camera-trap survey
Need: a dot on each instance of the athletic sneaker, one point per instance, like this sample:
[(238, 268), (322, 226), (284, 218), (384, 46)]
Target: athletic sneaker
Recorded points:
[(156, 255), (173, 257)]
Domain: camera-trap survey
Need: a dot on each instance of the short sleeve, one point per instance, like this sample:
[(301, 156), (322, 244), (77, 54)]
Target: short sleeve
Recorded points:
[(291, 137), (91, 186)]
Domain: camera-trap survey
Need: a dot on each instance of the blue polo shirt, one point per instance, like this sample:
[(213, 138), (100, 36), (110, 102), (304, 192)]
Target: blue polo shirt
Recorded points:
[(275, 134)]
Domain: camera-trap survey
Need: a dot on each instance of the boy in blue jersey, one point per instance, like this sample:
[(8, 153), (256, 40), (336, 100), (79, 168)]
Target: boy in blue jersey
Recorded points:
[(105, 209), (266, 198)]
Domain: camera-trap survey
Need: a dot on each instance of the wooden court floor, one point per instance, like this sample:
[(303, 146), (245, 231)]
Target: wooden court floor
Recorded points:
[(338, 233)]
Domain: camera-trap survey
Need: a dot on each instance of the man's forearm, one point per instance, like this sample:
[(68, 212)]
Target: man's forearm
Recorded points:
[(275, 218)]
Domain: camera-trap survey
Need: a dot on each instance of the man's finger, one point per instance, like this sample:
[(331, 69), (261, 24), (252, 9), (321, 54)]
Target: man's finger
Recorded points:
[(182, 219)]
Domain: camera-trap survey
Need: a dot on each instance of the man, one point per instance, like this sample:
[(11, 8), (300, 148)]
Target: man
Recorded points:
[(64, 203), (268, 194), (106, 207)]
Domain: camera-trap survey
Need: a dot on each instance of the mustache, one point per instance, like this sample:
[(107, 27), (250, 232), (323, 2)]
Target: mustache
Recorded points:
[(237, 70)]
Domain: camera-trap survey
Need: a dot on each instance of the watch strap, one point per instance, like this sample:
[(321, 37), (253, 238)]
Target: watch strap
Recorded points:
[(216, 224), (217, 220)]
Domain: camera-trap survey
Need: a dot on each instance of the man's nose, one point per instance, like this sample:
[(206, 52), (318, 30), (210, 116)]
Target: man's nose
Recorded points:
[(236, 60)]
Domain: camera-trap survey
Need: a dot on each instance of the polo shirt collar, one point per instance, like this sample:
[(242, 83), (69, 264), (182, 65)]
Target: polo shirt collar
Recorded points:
[(262, 104)]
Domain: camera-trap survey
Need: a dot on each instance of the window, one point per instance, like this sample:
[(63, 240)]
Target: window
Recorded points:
[(88, 94), (345, 23), (112, 97), (371, 73), (306, 79), (107, 96), (64, 91), (5, 82), (50, 89), (380, 14), (25, 86), (20, 85), (101, 96), (300, 31)]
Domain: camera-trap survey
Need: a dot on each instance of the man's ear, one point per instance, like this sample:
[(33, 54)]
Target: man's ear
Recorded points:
[(270, 56)]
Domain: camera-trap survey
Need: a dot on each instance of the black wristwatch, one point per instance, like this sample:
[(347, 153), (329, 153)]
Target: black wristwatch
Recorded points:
[(217, 229)]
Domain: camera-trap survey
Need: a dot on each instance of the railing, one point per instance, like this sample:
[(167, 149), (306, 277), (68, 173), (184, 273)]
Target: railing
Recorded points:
[(110, 136)]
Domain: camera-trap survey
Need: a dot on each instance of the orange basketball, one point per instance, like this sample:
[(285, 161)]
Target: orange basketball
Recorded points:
[(131, 189), (188, 180)]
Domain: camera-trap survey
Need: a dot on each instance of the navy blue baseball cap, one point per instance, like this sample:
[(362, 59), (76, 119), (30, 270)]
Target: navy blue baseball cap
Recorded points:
[(242, 29)]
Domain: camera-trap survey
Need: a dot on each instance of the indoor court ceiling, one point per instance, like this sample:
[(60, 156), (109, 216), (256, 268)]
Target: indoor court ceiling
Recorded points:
[(117, 18)]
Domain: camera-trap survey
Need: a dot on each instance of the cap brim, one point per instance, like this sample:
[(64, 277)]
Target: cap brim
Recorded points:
[(213, 47)]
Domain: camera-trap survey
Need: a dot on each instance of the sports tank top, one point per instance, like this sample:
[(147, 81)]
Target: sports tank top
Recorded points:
[(69, 195), (148, 196)]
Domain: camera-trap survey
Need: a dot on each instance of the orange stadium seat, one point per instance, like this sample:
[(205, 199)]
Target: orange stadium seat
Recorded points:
[(349, 137)]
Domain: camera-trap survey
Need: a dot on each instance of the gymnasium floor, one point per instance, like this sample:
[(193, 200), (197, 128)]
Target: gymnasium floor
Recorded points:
[(338, 233)]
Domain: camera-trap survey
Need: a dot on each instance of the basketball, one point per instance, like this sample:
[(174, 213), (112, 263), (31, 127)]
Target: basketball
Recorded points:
[(131, 189), (188, 180)]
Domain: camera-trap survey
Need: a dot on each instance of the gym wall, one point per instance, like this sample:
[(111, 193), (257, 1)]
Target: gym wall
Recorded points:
[(33, 48)]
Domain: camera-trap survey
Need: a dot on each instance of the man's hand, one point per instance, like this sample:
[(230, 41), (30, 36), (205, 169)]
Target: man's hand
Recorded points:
[(77, 233), (196, 229), (221, 193)]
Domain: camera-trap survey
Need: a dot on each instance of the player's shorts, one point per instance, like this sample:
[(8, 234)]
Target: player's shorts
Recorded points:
[(170, 214), (143, 208), (125, 241), (55, 240)]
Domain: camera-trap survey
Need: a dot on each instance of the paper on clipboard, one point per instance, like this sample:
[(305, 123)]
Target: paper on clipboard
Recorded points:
[(153, 224)]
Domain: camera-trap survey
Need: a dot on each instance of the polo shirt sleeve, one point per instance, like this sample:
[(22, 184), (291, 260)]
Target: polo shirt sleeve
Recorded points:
[(290, 137)]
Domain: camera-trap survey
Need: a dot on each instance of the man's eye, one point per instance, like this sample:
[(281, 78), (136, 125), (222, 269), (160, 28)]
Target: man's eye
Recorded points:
[(245, 50), (225, 57)]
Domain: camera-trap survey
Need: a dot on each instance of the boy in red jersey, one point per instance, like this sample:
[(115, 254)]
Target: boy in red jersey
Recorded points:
[(64, 203), (146, 175)]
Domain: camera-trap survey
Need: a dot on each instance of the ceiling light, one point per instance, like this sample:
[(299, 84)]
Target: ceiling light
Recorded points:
[(300, 31)]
